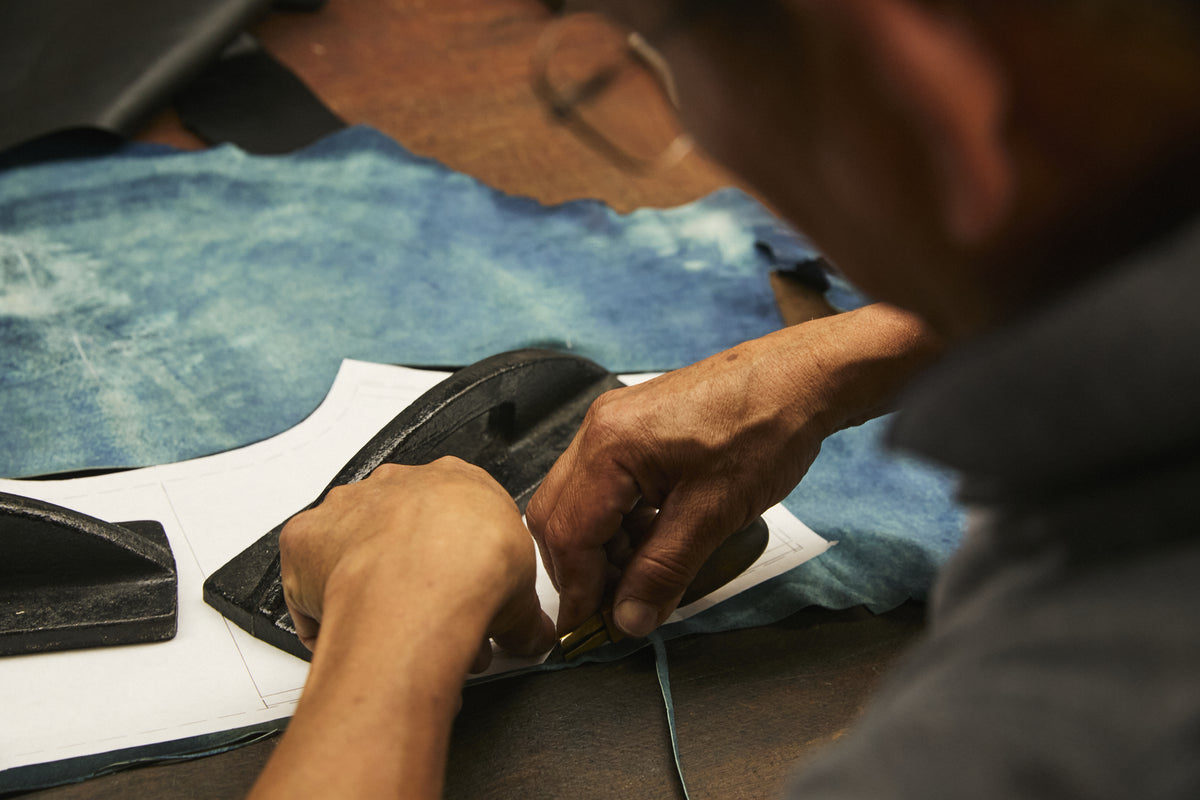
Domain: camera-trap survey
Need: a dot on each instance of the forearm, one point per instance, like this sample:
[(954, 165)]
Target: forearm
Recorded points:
[(849, 367), (710, 447), (375, 717), (881, 348)]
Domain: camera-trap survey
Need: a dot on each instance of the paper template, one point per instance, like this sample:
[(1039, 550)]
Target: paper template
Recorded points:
[(213, 676)]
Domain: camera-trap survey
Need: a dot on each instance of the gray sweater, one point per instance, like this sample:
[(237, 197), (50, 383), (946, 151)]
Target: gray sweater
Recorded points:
[(1063, 654)]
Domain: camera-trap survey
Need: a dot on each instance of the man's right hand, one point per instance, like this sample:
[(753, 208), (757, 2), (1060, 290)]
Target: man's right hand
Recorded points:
[(661, 473)]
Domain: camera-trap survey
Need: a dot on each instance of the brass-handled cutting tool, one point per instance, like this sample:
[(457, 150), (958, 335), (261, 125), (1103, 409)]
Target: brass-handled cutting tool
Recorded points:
[(733, 557)]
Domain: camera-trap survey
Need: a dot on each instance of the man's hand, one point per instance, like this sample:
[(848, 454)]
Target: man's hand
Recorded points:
[(709, 448), (395, 582), (433, 536)]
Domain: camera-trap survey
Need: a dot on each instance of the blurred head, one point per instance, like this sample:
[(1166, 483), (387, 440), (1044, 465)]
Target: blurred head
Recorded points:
[(948, 156)]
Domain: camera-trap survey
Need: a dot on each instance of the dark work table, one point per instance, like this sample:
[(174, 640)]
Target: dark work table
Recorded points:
[(750, 707), (450, 80)]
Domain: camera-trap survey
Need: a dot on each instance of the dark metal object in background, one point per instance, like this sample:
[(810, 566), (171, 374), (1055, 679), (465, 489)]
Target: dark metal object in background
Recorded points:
[(252, 100), (512, 414), (67, 65), (69, 581), (77, 63)]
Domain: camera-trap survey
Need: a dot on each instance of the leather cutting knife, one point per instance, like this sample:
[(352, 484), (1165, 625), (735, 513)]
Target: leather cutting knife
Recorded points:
[(733, 557)]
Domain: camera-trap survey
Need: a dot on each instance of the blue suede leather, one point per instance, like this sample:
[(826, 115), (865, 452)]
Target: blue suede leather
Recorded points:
[(158, 305)]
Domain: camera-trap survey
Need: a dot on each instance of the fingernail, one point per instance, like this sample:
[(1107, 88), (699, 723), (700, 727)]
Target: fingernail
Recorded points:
[(635, 617)]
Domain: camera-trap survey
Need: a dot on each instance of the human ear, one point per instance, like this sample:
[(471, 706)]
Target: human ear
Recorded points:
[(941, 77)]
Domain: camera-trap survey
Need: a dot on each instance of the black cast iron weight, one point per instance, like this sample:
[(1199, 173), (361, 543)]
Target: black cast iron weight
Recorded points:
[(68, 580), (511, 414)]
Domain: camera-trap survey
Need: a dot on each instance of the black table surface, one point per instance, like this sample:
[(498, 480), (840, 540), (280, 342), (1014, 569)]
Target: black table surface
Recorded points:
[(751, 707)]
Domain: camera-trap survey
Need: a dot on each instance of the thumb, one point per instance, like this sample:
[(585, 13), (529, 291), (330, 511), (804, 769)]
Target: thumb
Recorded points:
[(523, 628), (658, 574)]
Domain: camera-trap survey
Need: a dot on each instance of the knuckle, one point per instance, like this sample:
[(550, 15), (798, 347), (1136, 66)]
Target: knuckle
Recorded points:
[(607, 416), (558, 534), (454, 468), (661, 576), (537, 513), (388, 471), (294, 531), (338, 496), (294, 545)]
